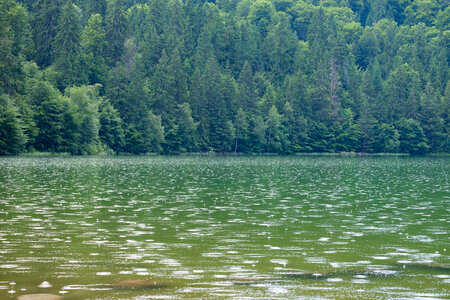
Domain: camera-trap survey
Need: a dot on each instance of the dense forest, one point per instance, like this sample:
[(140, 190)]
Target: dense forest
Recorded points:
[(246, 76)]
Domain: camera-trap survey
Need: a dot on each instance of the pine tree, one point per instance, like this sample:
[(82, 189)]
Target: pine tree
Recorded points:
[(44, 24), (92, 7), (67, 49), (116, 30), (187, 128), (402, 92), (93, 42), (241, 126), (247, 89), (12, 137), (279, 49), (273, 130)]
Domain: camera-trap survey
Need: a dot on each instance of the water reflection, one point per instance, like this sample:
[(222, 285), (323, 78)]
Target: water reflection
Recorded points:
[(224, 227)]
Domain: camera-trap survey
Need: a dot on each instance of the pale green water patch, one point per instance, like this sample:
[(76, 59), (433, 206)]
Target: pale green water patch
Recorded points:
[(231, 227)]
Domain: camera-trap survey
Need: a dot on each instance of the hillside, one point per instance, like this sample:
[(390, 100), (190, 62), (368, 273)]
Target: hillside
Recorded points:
[(250, 76)]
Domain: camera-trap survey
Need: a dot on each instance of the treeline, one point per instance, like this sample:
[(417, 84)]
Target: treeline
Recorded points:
[(172, 76)]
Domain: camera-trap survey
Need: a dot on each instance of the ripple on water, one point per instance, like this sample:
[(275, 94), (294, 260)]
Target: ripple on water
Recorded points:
[(283, 262), (87, 287), (45, 285), (241, 201)]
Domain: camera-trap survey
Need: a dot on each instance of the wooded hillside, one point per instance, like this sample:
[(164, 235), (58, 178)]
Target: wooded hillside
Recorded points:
[(251, 76)]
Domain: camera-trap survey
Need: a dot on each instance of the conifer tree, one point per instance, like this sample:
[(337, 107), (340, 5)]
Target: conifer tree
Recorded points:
[(12, 137), (44, 24), (116, 30), (66, 47), (93, 42)]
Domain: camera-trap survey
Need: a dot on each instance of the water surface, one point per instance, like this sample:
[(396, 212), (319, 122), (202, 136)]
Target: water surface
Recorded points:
[(225, 227)]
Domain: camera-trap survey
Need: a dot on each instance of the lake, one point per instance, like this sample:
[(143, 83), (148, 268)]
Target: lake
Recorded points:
[(225, 227)]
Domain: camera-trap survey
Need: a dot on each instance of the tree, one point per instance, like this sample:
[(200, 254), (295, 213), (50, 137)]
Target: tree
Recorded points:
[(262, 14), (421, 11), (12, 137), (295, 91), (273, 130), (402, 91), (66, 47), (303, 12), (258, 135), (241, 126), (44, 24), (246, 88), (93, 43), (320, 138), (116, 30), (85, 101), (431, 119), (111, 131), (412, 139), (153, 133), (57, 129), (10, 72), (334, 89), (349, 135), (278, 49), (93, 7), (145, 137), (187, 128), (386, 139), (163, 87)]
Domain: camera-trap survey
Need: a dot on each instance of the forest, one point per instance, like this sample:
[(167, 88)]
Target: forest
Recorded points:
[(226, 76)]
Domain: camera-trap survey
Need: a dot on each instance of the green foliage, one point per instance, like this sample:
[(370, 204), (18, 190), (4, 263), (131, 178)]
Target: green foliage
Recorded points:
[(111, 132), (241, 127), (116, 30), (93, 43), (12, 138), (66, 47), (262, 14), (412, 139), (44, 24), (248, 76), (273, 130), (85, 101)]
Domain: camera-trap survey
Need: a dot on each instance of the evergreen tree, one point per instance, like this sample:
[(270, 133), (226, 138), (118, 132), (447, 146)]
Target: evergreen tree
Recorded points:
[(279, 49), (402, 92), (247, 89), (44, 24), (11, 74), (262, 14), (116, 30), (258, 138), (66, 47), (241, 126), (12, 137), (227, 75), (386, 139), (187, 128), (92, 7), (412, 139), (111, 131), (273, 130), (93, 42)]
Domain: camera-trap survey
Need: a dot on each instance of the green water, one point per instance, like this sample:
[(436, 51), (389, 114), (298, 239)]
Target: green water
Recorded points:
[(225, 227)]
